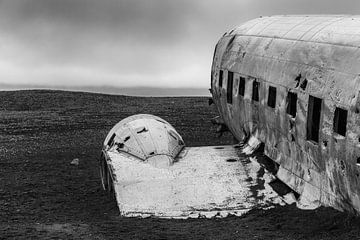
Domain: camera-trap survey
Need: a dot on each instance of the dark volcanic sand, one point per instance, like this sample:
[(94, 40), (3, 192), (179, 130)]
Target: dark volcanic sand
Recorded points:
[(43, 196)]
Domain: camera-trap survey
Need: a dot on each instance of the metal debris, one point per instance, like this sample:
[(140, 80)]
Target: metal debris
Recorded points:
[(178, 182)]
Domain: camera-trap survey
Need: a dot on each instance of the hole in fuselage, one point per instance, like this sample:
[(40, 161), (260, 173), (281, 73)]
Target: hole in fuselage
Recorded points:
[(313, 118), (297, 80), (127, 138), (231, 160), (340, 120), (111, 140), (342, 165), (272, 97), (303, 84), (291, 104), (292, 138), (291, 124), (142, 130)]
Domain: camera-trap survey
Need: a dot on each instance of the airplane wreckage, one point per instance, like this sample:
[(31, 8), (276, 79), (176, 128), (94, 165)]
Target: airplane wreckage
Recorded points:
[(291, 83)]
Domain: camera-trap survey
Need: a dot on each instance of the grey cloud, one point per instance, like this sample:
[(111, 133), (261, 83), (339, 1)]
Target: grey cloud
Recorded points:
[(146, 42)]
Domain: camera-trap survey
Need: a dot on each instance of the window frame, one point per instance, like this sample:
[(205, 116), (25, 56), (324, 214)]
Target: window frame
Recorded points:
[(230, 87), (272, 94), (313, 123), (255, 93), (221, 78), (242, 86), (291, 108), (338, 126)]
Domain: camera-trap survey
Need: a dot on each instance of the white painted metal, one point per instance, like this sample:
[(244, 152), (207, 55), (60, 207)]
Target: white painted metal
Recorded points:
[(200, 183), (146, 137), (179, 182)]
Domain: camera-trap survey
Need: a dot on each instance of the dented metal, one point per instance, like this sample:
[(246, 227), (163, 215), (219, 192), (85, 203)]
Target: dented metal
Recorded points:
[(317, 56), (146, 137), (145, 164)]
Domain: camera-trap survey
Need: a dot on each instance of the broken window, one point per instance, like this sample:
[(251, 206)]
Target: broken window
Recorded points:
[(272, 97), (303, 84), (229, 45), (297, 80), (242, 86), (221, 78), (291, 104), (255, 91), (111, 140), (230, 87), (340, 120), (313, 118)]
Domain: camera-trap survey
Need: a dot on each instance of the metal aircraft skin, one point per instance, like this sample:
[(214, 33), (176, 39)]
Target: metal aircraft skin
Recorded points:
[(293, 83), (145, 163)]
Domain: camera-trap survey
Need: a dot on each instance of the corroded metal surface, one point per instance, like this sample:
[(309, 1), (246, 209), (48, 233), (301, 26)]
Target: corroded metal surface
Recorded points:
[(311, 56), (146, 137), (203, 182), (178, 182)]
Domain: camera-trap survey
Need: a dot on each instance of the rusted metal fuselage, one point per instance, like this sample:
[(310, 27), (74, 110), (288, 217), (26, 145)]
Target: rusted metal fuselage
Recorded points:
[(293, 83)]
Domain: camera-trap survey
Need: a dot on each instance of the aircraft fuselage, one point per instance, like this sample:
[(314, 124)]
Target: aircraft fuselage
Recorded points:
[(293, 83)]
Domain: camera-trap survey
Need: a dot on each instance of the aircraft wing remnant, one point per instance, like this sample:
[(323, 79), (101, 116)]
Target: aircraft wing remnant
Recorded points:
[(153, 174)]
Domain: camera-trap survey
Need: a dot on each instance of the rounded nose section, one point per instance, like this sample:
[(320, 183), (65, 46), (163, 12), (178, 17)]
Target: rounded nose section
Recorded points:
[(145, 137)]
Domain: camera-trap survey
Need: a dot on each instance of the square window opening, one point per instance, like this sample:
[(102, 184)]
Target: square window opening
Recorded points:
[(242, 86), (221, 75), (291, 104), (340, 121), (255, 91), (272, 97), (230, 81), (313, 118)]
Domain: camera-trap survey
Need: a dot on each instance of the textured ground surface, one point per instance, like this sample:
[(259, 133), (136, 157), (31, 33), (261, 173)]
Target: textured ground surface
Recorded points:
[(43, 196)]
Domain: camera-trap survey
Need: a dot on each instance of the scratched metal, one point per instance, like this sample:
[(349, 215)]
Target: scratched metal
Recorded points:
[(307, 55), (152, 174), (203, 182)]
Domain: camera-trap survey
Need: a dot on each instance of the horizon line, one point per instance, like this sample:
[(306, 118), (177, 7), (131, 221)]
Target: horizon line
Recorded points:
[(129, 91)]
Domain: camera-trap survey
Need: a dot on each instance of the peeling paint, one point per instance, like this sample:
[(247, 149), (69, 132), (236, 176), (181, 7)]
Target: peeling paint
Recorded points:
[(315, 56), (190, 182)]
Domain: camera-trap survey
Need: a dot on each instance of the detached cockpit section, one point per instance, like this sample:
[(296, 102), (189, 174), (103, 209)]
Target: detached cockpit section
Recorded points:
[(147, 138), (146, 165)]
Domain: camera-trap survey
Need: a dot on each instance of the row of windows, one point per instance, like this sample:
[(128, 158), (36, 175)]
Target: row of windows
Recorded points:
[(314, 106)]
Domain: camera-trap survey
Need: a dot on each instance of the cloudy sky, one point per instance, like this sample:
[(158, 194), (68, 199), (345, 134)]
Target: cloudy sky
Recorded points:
[(125, 43)]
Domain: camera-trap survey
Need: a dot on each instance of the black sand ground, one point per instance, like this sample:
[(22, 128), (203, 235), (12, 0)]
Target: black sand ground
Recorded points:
[(42, 196)]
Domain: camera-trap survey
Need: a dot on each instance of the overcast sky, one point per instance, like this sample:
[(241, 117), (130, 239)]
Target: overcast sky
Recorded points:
[(122, 43)]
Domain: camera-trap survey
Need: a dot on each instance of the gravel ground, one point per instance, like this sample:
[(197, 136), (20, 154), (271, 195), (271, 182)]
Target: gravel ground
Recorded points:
[(42, 196)]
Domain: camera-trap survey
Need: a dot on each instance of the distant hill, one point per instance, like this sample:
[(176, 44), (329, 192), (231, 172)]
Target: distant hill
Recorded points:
[(131, 91)]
